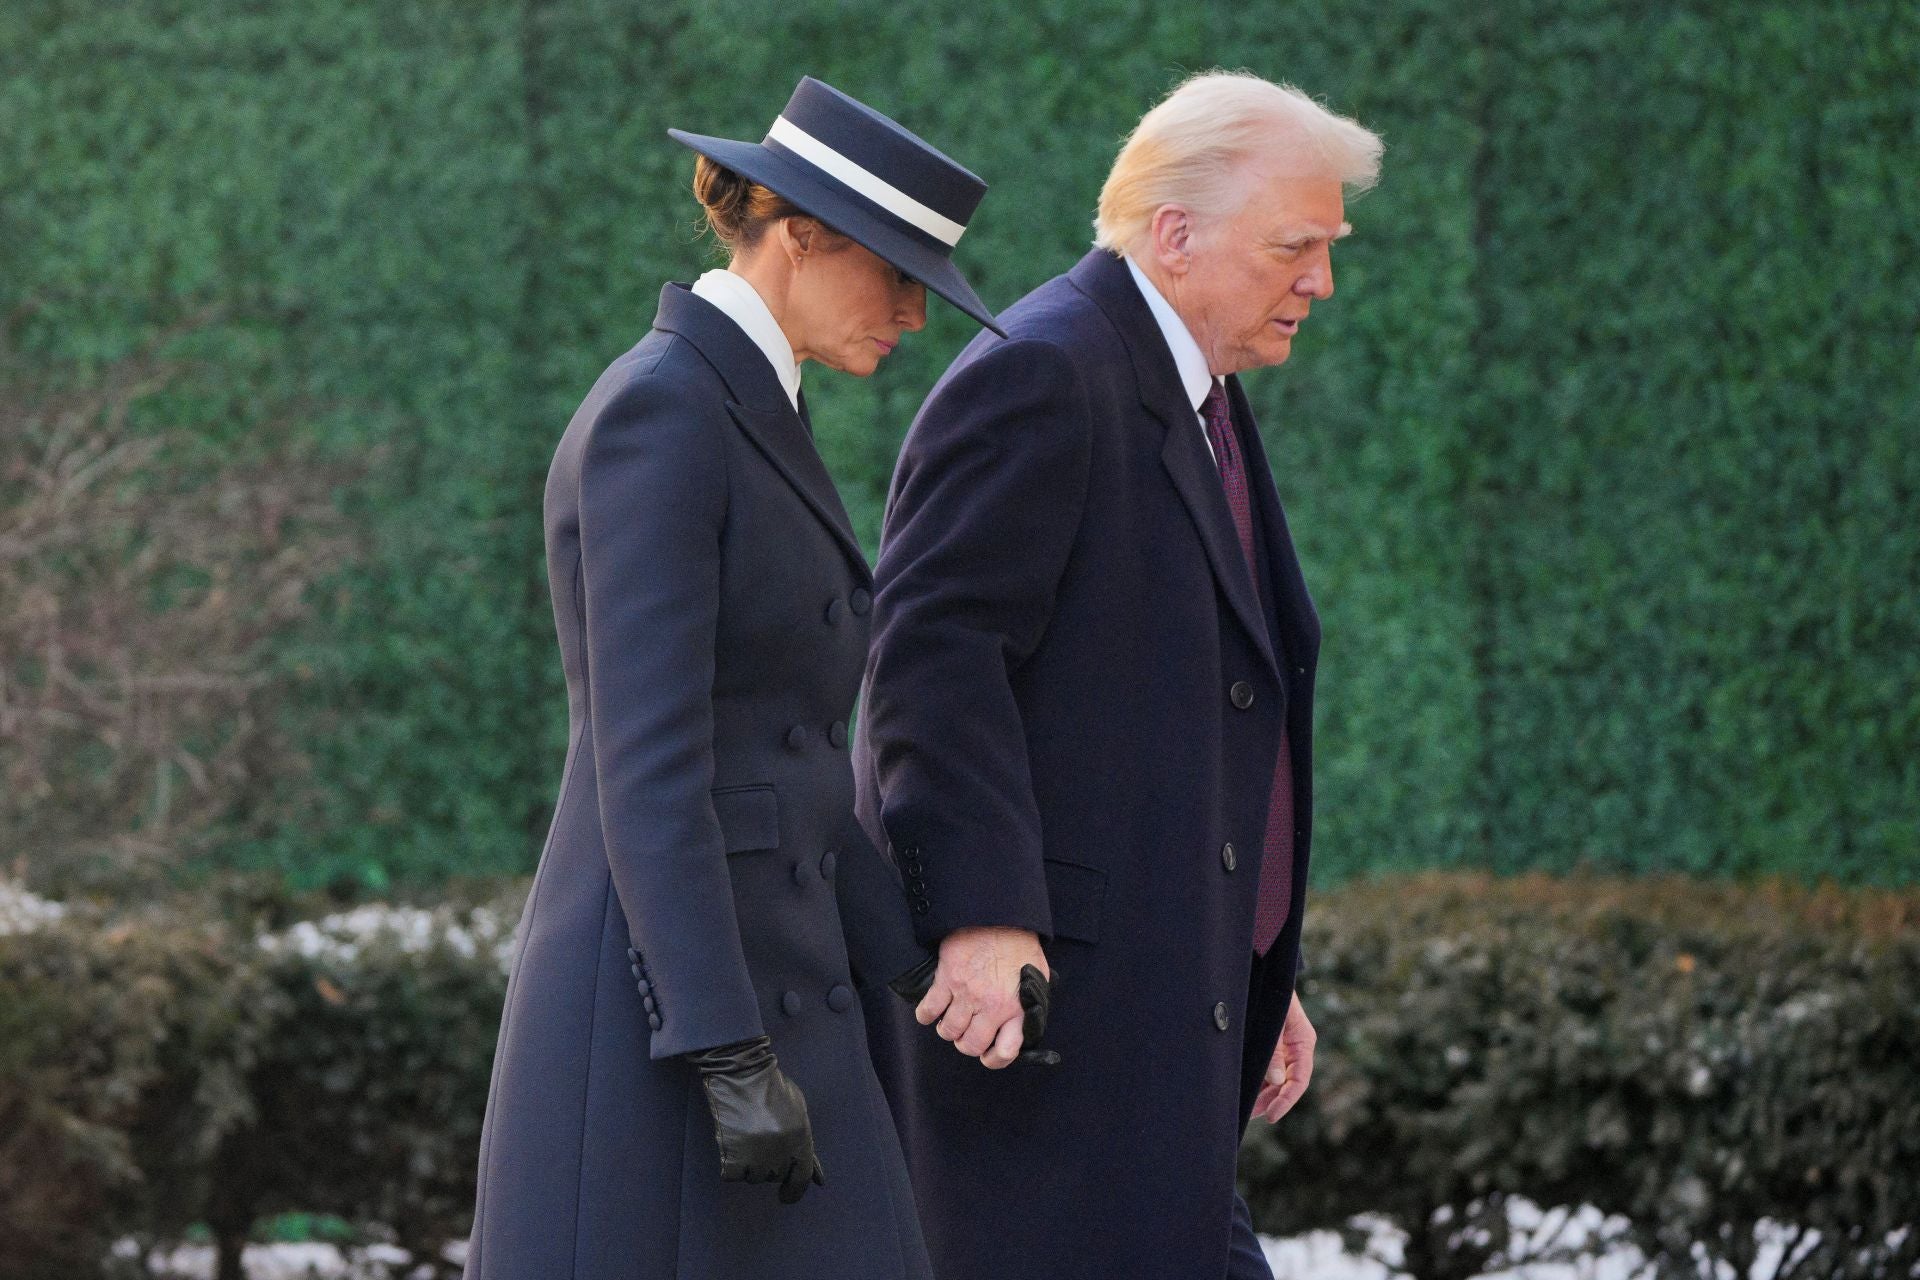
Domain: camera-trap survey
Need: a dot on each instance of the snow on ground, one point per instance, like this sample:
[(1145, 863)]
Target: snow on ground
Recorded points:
[(1586, 1239), (1318, 1255), (339, 938), (22, 912)]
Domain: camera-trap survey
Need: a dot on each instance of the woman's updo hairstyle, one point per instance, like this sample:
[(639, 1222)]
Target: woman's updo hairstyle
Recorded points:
[(738, 210)]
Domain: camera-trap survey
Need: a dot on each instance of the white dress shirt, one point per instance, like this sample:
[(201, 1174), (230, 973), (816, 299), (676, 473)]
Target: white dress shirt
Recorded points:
[(1187, 357), (741, 303)]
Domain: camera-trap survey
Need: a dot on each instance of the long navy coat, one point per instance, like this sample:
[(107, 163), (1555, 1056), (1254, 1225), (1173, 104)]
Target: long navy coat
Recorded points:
[(713, 614), (1048, 740)]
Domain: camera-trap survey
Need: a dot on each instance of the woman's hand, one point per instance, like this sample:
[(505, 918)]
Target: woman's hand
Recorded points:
[(759, 1118)]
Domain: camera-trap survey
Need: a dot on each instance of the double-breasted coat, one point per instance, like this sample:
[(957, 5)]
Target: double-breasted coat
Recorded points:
[(1072, 709), (704, 880)]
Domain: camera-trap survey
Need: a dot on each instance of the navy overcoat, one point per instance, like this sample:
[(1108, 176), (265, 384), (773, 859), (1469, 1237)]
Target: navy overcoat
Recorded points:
[(1048, 740), (704, 880)]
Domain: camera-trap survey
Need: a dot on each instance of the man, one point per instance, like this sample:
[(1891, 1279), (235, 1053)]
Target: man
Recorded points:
[(1088, 716)]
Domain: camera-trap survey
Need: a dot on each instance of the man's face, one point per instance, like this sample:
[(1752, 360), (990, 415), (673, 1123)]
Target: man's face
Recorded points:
[(1253, 273)]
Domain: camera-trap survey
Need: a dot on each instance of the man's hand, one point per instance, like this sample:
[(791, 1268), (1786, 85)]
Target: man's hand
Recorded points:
[(1291, 1068), (974, 1001)]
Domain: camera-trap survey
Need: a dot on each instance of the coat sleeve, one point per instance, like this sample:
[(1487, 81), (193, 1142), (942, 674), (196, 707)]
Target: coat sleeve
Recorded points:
[(881, 944), (986, 505), (653, 498)]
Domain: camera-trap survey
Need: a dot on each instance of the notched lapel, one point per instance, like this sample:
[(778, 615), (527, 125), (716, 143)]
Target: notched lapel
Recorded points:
[(787, 444), (760, 405), (1105, 279), (1197, 480), (1295, 604)]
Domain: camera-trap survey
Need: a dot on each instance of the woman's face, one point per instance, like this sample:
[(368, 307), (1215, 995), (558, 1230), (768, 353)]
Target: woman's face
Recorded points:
[(848, 306)]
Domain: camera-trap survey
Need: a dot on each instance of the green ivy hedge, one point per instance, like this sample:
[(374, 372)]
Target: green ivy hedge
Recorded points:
[(1600, 460), (1697, 1061)]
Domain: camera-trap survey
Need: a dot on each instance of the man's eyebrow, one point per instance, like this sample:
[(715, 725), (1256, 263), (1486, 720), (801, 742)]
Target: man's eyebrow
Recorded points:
[(1314, 231)]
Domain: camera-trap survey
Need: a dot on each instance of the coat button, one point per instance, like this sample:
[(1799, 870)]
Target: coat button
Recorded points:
[(840, 999), (827, 863), (653, 1020), (837, 734), (1241, 694), (646, 1002), (790, 1002), (1299, 671), (836, 610), (1220, 1018), (633, 957), (796, 737), (802, 872), (861, 600), (1227, 859)]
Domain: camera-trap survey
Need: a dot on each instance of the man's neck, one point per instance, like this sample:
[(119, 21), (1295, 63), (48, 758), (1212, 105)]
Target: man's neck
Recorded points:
[(1169, 286)]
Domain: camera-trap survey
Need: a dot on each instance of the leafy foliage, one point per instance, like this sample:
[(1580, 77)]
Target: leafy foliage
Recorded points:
[(1694, 1060), (1600, 460), (148, 573), (1698, 1060)]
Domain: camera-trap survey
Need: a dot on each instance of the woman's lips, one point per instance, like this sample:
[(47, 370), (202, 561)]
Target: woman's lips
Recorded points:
[(886, 347)]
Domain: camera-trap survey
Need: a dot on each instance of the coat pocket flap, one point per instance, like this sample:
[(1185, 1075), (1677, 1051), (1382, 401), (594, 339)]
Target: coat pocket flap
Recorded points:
[(1075, 894), (749, 817)]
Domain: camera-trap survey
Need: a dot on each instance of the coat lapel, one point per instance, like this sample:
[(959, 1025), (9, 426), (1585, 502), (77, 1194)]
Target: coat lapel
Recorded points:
[(1104, 278), (788, 445), (760, 406), (1293, 605)]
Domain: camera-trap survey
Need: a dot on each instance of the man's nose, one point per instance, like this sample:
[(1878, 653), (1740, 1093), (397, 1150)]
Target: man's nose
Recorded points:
[(1318, 277), (1317, 282)]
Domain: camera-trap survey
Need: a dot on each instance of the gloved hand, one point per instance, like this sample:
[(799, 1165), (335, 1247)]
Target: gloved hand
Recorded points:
[(1035, 997), (759, 1118), (913, 985)]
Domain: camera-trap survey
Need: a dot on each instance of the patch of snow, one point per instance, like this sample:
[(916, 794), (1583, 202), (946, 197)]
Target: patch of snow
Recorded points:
[(1587, 1239), (23, 912), (341, 937)]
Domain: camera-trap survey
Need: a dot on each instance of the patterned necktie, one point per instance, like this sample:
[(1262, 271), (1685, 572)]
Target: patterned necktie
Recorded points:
[(1276, 857)]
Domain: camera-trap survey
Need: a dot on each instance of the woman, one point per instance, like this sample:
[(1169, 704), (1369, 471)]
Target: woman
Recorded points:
[(681, 1023)]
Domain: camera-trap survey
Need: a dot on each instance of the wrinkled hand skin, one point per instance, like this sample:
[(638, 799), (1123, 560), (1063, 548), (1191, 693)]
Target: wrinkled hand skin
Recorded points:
[(974, 1001), (1291, 1068), (1035, 999), (759, 1118)]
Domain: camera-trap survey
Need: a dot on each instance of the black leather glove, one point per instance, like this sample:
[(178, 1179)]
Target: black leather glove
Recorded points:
[(759, 1118), (913, 985), (1035, 996)]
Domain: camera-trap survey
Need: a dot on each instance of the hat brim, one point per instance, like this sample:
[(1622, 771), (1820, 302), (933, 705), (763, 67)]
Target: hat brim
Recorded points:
[(830, 204)]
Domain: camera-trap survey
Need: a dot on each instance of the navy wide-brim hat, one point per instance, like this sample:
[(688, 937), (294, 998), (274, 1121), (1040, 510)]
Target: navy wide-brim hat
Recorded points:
[(867, 178)]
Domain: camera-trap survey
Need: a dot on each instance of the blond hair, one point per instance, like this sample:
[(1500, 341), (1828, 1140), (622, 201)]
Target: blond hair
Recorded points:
[(1193, 148)]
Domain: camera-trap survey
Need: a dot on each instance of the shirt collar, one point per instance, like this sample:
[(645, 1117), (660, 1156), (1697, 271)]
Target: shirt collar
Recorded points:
[(741, 303), (1186, 352)]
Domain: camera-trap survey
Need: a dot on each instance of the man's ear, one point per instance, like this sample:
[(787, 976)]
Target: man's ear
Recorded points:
[(1170, 238)]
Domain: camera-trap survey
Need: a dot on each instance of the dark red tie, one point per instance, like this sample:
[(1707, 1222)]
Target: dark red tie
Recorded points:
[(1276, 857)]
